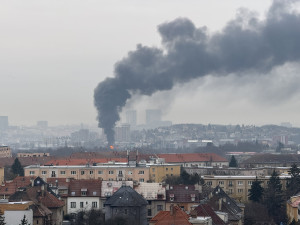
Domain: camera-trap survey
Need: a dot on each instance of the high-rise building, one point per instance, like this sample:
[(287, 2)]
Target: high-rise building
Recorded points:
[(42, 124), (153, 116), (131, 117), (122, 133), (3, 123)]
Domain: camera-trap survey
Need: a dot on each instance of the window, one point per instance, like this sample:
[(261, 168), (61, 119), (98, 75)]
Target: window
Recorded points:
[(81, 205), (91, 172), (141, 180), (73, 205), (82, 172), (171, 168), (100, 172), (250, 182), (149, 212), (73, 193), (221, 182), (83, 193), (53, 174), (167, 169), (230, 191), (31, 172), (141, 172), (94, 193), (110, 179), (120, 172), (44, 172), (230, 183), (159, 208), (240, 182), (94, 204), (240, 190), (73, 172), (111, 172), (209, 183), (153, 169), (62, 172)]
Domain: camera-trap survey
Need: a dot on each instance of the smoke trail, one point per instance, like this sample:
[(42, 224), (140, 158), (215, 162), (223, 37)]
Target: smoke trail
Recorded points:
[(245, 44)]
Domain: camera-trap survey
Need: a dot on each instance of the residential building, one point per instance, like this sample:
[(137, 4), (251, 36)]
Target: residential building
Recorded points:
[(37, 154), (8, 188), (271, 160), (159, 172), (108, 188), (1, 174), (83, 195), (205, 210), (47, 208), (128, 204), (155, 194), (195, 159), (110, 171), (5, 151), (131, 117), (184, 196), (238, 187), (174, 216), (14, 212), (220, 201)]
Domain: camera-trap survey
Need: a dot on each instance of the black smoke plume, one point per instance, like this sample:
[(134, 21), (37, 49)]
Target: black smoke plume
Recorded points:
[(245, 44)]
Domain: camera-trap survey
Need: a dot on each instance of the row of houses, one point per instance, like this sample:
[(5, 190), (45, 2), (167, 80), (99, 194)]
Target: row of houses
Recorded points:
[(48, 202)]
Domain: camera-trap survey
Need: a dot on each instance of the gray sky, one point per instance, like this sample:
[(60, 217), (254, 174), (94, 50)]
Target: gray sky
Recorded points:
[(54, 53)]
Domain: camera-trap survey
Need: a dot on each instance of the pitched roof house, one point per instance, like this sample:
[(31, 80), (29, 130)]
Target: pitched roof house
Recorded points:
[(128, 204), (174, 216)]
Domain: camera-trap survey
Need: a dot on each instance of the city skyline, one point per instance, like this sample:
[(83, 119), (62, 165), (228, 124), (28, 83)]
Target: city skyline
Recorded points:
[(54, 55)]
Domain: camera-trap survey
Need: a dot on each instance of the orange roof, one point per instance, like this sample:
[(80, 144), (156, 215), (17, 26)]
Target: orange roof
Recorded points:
[(192, 157), (165, 217), (73, 162), (10, 187)]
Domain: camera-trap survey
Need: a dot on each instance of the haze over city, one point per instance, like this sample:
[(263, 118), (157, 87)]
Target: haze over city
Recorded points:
[(53, 55)]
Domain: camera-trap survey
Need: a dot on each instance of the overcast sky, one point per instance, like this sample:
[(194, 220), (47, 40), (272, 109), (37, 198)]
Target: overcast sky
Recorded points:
[(54, 53)]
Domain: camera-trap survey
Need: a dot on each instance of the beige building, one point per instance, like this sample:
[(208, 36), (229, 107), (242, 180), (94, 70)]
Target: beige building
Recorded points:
[(158, 172), (39, 154), (5, 151), (112, 172), (238, 187)]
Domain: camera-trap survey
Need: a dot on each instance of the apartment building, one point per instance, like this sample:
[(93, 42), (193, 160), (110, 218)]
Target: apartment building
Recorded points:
[(5, 151), (158, 172), (238, 187), (38, 154), (111, 172)]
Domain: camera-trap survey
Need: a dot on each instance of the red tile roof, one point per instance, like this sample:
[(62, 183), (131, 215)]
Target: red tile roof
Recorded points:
[(10, 187), (192, 157), (204, 210), (165, 217), (93, 188), (72, 161), (182, 193)]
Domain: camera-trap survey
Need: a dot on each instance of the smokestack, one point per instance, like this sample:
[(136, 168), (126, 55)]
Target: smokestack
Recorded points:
[(244, 44)]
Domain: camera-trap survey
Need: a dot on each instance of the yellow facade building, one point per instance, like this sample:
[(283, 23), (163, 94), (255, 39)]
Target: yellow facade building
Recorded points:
[(158, 172), (238, 187)]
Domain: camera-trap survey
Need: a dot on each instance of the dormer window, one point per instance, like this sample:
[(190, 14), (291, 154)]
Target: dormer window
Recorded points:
[(83, 191), (172, 197), (193, 197)]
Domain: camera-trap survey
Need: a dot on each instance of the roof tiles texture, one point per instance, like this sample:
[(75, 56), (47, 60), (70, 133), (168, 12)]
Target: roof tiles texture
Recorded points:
[(182, 193), (204, 210), (177, 216), (192, 157), (10, 187), (92, 188)]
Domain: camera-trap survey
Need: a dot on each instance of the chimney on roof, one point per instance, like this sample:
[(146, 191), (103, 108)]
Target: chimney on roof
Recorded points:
[(220, 204), (172, 210)]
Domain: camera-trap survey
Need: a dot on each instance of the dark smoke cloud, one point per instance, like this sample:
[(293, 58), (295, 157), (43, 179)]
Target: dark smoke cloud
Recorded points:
[(245, 44)]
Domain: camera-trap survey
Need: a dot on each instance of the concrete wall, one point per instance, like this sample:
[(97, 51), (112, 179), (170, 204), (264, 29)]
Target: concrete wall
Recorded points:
[(15, 217)]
